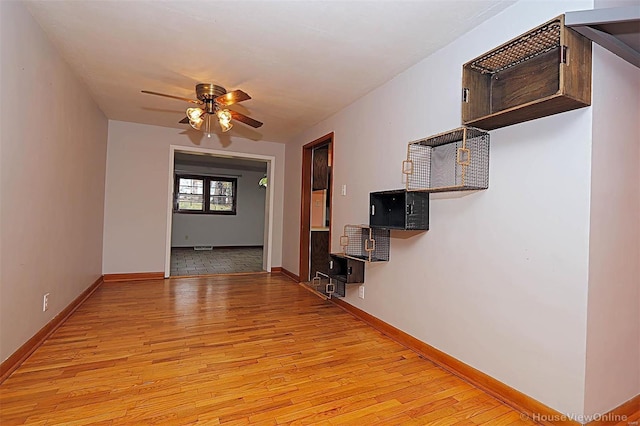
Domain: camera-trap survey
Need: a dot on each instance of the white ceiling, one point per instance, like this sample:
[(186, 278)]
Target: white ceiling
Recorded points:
[(301, 61)]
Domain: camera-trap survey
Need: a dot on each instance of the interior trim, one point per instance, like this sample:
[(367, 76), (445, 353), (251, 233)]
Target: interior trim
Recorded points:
[(134, 276), (16, 359), (305, 203), (530, 407), (290, 274), (623, 412), (269, 198), (311, 290)]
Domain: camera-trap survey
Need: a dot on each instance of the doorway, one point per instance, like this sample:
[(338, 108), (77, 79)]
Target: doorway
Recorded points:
[(220, 180), (317, 191)]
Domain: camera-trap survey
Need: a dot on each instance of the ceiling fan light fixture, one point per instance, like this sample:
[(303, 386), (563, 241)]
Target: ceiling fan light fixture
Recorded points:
[(194, 114), (207, 130), (213, 99), (224, 117), (197, 123), (195, 117)]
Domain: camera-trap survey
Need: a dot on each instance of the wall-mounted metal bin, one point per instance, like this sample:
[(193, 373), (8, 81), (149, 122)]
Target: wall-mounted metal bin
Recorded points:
[(542, 72), (399, 209), (329, 286), (347, 270), (457, 160), (364, 243)]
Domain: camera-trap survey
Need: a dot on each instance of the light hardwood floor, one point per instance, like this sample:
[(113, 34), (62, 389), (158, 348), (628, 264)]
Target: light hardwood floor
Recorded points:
[(232, 350)]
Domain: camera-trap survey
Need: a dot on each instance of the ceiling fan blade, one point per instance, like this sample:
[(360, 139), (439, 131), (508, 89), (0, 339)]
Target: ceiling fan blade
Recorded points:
[(232, 97), (244, 119), (184, 121), (193, 101)]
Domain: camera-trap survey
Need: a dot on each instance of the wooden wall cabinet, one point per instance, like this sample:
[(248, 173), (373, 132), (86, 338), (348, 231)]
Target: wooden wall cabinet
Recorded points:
[(542, 72)]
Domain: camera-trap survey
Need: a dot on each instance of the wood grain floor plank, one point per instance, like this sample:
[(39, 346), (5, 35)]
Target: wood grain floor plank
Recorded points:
[(231, 350)]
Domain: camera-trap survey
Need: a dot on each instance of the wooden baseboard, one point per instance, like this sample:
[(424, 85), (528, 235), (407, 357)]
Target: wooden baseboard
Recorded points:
[(276, 270), (525, 404), (290, 274), (312, 291), (135, 276), (9, 365), (620, 414)]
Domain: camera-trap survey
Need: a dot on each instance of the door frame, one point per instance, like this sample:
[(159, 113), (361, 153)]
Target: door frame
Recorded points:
[(268, 208), (305, 203)]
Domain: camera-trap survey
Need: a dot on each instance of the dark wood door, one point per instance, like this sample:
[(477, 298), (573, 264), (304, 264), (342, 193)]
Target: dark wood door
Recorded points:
[(319, 252), (320, 168)]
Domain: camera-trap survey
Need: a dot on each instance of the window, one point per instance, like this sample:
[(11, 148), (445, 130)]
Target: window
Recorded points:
[(221, 195), (205, 194), (190, 194)]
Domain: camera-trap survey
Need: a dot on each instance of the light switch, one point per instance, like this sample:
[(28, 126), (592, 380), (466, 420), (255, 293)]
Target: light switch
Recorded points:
[(344, 190)]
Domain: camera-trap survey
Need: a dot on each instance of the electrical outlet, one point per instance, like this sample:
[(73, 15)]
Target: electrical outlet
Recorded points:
[(45, 302), (361, 292), (344, 190)]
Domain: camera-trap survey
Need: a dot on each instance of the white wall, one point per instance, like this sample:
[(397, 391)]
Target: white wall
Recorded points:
[(245, 228), (500, 280), (51, 180), (613, 339), (136, 197)]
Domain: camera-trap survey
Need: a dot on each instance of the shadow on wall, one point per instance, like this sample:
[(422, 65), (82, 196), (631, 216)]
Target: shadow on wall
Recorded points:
[(196, 136)]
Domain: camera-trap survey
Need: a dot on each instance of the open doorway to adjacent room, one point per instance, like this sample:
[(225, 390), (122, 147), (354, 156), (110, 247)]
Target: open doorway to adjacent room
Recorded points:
[(317, 185), (219, 215)]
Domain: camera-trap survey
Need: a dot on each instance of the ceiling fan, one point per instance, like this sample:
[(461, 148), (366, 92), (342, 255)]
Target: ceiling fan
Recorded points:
[(213, 100)]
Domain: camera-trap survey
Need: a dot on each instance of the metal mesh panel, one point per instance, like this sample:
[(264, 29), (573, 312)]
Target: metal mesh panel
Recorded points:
[(452, 161), (418, 217), (340, 288), (522, 49), (364, 243), (328, 286), (319, 283)]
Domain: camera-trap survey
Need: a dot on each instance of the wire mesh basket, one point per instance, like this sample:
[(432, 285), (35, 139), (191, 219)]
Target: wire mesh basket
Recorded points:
[(528, 46), (364, 243), (457, 160), (328, 286)]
